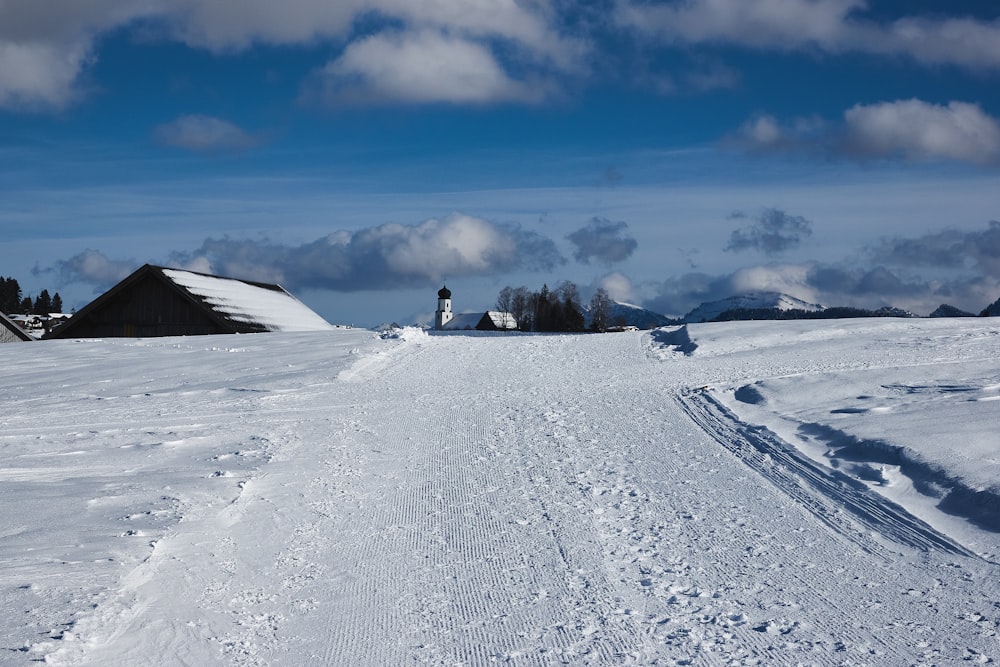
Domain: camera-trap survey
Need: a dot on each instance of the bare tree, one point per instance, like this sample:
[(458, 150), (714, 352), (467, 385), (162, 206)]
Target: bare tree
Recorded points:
[(600, 310), (505, 300), (521, 307)]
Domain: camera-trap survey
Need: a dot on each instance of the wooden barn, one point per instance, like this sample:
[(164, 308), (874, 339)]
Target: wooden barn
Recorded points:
[(491, 320), (10, 332), (158, 301)]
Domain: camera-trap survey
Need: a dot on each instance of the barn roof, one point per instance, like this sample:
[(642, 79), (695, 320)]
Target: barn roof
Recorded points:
[(500, 321), (267, 306), (464, 321), (10, 332), (232, 305)]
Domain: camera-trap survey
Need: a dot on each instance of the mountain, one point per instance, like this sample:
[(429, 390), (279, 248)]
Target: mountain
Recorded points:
[(627, 314), (637, 316), (992, 310), (944, 310), (750, 301)]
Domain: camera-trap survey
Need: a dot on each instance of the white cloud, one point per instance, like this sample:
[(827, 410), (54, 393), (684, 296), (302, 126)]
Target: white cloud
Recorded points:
[(763, 132), (419, 68), (236, 24), (781, 24), (198, 132), (36, 75), (619, 287), (904, 129), (45, 47), (833, 26), (917, 130), (965, 42), (93, 266), (389, 256), (227, 25)]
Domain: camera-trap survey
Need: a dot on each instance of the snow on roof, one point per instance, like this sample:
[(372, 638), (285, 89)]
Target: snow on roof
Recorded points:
[(502, 320), (464, 321), (272, 308)]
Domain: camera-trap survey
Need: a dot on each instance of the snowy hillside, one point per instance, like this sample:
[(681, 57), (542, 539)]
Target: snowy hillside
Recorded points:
[(806, 492), (706, 312), (631, 315)]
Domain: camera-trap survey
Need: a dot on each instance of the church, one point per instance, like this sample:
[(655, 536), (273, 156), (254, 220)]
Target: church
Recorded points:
[(491, 320)]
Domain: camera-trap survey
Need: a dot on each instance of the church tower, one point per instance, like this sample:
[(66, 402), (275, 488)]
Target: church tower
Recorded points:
[(443, 314)]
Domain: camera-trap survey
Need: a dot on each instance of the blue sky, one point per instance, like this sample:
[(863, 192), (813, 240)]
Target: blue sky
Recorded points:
[(362, 152)]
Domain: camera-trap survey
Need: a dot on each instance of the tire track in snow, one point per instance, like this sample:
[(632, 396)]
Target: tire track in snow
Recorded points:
[(838, 501)]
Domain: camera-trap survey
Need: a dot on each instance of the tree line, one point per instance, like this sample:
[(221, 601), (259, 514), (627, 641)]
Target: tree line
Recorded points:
[(555, 310), (13, 301)]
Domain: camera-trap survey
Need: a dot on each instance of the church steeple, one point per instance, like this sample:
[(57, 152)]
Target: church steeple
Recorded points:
[(443, 314)]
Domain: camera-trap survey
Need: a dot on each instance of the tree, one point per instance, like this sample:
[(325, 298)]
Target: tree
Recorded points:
[(57, 304), (520, 308), (43, 304), (10, 295), (26, 305), (570, 315), (600, 310), (505, 300)]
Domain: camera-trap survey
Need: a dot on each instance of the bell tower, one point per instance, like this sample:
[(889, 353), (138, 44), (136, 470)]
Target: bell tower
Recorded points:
[(443, 313)]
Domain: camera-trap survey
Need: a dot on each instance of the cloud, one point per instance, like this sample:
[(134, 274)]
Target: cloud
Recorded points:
[(618, 286), (949, 249), (202, 133), (389, 256), (826, 284), (772, 232), (45, 48), (920, 273), (39, 75), (90, 267), (419, 68), (916, 130), (911, 130), (603, 240), (228, 25), (827, 26)]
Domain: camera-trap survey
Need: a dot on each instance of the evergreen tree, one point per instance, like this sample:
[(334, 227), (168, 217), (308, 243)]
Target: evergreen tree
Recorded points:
[(26, 305), (43, 304), (570, 315), (10, 295), (57, 304)]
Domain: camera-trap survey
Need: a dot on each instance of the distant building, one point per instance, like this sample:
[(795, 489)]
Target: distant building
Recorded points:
[(157, 301), (10, 332), (443, 314), (491, 320)]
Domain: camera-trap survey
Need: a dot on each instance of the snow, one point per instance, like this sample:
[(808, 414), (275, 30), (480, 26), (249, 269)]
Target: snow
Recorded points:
[(709, 311), (274, 309), (680, 496)]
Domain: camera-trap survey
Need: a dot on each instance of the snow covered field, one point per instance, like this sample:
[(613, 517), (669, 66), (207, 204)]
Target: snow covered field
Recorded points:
[(739, 493)]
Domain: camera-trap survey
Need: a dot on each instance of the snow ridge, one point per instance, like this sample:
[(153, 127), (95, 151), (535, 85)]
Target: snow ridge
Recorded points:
[(752, 300)]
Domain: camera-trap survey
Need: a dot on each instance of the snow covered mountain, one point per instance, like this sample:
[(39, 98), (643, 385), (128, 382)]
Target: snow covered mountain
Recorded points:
[(752, 300), (628, 314)]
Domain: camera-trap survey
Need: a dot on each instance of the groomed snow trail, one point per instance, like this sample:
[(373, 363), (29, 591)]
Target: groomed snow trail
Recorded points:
[(527, 500)]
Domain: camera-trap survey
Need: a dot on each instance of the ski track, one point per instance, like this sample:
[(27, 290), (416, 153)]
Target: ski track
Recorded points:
[(501, 515), (847, 506)]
